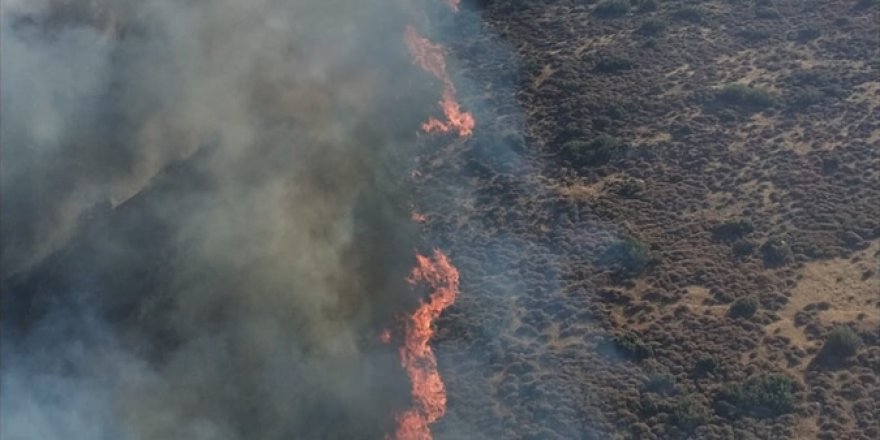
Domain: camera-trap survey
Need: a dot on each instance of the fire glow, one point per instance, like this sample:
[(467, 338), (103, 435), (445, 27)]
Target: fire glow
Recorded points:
[(430, 57), (416, 356)]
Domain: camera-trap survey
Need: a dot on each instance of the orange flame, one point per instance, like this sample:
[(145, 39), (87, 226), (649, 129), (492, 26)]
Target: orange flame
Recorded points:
[(418, 217), (385, 336), (416, 356), (430, 57)]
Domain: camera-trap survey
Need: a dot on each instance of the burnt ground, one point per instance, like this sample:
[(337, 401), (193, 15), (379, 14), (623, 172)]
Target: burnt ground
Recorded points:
[(649, 250)]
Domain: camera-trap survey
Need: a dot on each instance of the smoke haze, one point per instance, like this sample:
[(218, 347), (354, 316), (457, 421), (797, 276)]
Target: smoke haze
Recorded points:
[(204, 219)]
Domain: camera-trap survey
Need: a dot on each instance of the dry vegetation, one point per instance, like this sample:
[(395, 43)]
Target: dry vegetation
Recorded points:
[(690, 210)]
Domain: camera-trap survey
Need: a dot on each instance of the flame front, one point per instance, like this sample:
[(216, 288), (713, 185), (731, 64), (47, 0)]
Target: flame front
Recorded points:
[(416, 356), (431, 57)]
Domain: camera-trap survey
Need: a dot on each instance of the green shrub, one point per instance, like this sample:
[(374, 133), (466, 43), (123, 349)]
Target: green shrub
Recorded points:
[(612, 8), (841, 342), (753, 34), (706, 363), (745, 96), (631, 346), (776, 251), (661, 383), (806, 34), (731, 230), (630, 256), (806, 97), (629, 188), (689, 13), (744, 307), (689, 413), (767, 395), (652, 27), (767, 13), (614, 64), (742, 248), (596, 152)]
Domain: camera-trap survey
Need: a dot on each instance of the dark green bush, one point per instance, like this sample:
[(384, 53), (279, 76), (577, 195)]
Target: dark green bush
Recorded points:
[(705, 364), (745, 96), (629, 256), (629, 188), (661, 383), (807, 34), (767, 13), (689, 413), (596, 152), (631, 346), (806, 97), (689, 13), (652, 27), (742, 248), (614, 64), (744, 307), (841, 342), (767, 395), (612, 8), (752, 34), (776, 251), (732, 229)]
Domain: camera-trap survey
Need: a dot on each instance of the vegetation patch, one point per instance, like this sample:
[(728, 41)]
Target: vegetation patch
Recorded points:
[(612, 8), (776, 252), (841, 343), (599, 151), (614, 64), (629, 256), (744, 307), (745, 96), (732, 230), (766, 395), (627, 345)]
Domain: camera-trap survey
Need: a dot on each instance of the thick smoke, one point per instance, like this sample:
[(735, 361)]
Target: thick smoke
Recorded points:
[(204, 217)]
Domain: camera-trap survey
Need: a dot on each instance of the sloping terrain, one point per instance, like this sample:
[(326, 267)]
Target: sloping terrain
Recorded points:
[(659, 243)]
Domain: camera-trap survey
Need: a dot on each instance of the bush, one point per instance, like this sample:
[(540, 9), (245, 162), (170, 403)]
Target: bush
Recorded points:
[(652, 27), (742, 248), (630, 256), (660, 383), (806, 97), (841, 343), (732, 229), (631, 346), (689, 413), (629, 188), (767, 395), (689, 13), (596, 152), (745, 96), (753, 34), (776, 252), (807, 34), (612, 8), (767, 13), (744, 307), (705, 364), (614, 64)]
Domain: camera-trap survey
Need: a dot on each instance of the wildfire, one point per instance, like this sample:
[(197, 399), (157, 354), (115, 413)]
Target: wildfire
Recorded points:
[(418, 217), (453, 4), (416, 356), (385, 336), (431, 58)]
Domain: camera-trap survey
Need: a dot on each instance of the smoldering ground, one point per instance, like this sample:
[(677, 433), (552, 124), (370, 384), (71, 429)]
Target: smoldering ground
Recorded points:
[(204, 217)]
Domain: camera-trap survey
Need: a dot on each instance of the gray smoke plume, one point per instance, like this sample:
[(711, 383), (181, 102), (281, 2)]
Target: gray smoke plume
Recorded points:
[(204, 217)]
